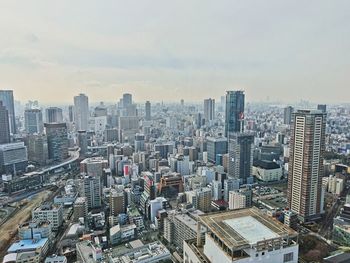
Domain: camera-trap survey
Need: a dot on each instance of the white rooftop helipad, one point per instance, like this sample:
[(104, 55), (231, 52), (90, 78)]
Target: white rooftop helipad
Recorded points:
[(250, 229)]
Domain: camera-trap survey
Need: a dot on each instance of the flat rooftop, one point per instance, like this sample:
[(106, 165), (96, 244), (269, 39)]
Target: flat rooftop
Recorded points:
[(245, 227)]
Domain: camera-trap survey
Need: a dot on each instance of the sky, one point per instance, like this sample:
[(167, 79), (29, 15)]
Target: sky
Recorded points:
[(167, 50)]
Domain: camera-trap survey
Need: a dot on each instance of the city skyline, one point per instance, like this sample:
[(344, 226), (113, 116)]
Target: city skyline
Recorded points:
[(163, 51)]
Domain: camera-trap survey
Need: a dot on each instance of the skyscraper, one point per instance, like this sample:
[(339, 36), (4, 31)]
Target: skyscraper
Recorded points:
[(33, 120), (6, 96), (127, 100), (209, 109), (54, 114), (240, 150), (4, 125), (288, 111), (81, 106), (57, 141), (234, 111), (322, 107), (148, 111), (307, 146), (71, 113)]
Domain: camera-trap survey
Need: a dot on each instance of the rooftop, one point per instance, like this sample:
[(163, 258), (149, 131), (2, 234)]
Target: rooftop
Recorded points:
[(27, 245), (245, 227)]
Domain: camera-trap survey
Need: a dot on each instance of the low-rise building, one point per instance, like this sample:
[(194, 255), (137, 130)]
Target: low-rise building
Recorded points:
[(49, 212), (267, 171)]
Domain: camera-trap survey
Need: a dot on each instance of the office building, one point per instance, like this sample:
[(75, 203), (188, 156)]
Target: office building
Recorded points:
[(81, 110), (83, 142), (217, 190), (307, 146), (240, 150), (28, 250), (139, 142), (322, 107), (234, 112), (241, 236), (33, 229), (54, 115), (209, 110), (267, 171), (127, 100), (55, 259), (71, 113), (49, 212), (38, 149), (13, 158), (117, 202), (215, 147), (181, 226), (4, 124), (230, 184), (80, 208), (288, 111), (200, 199), (33, 121), (241, 198), (92, 190), (57, 141), (148, 111), (93, 166), (6, 96), (150, 253)]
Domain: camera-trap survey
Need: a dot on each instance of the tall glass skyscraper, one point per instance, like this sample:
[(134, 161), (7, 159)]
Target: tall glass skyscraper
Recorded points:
[(6, 96), (234, 111), (81, 106), (4, 125)]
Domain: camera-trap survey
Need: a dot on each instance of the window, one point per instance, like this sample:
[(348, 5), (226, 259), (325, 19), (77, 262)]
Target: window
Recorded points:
[(288, 257)]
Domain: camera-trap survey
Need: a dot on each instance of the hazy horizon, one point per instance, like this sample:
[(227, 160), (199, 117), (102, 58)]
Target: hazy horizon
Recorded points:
[(165, 51)]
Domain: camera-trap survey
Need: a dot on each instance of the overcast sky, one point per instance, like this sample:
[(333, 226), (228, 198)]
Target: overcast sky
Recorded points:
[(168, 50)]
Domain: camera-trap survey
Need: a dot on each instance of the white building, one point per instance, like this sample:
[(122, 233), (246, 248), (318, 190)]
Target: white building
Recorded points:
[(51, 213), (242, 236), (267, 171)]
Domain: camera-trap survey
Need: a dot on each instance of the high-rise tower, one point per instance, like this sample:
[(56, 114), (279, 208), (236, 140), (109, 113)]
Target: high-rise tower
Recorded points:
[(148, 111), (307, 146), (209, 109), (6, 96), (4, 125), (81, 106), (234, 111)]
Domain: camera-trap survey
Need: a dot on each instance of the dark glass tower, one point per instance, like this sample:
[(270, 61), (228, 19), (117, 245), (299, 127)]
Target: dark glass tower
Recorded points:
[(6, 96), (4, 125), (234, 111)]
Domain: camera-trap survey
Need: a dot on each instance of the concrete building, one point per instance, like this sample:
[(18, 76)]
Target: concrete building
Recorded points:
[(55, 259), (57, 141), (82, 142), (230, 184), (35, 229), (150, 253), (49, 212), (80, 208), (241, 198), (217, 190), (81, 110), (179, 226), (240, 150), (88, 252), (242, 236), (4, 125), (200, 199), (267, 171), (92, 190), (117, 202), (306, 163)]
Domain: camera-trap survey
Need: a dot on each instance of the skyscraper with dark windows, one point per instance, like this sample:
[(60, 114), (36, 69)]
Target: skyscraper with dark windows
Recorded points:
[(81, 107), (6, 96), (209, 109), (148, 111), (57, 141), (234, 111), (288, 111), (54, 115), (4, 125), (240, 150), (307, 146), (322, 107)]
